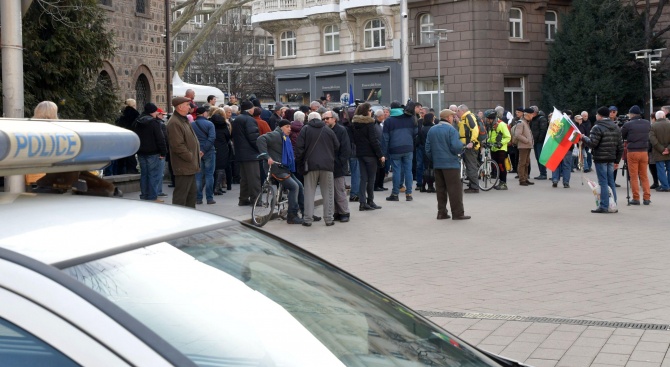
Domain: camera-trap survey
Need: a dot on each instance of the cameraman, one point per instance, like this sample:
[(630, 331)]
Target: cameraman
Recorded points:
[(636, 133)]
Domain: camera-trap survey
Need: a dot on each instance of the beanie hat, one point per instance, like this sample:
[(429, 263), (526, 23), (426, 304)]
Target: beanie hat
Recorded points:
[(150, 108), (246, 105), (201, 110), (604, 111), (255, 102), (490, 114), (283, 122), (635, 110)]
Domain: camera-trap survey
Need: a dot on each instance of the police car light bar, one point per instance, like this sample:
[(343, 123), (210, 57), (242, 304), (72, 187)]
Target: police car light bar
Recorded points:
[(46, 146)]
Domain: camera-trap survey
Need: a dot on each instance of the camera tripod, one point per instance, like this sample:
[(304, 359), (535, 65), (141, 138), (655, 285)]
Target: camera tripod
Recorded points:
[(624, 171)]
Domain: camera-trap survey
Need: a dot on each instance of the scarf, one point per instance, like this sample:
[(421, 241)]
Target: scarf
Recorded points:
[(287, 156)]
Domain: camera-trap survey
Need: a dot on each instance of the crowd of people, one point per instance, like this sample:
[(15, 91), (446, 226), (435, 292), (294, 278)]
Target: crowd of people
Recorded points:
[(208, 148)]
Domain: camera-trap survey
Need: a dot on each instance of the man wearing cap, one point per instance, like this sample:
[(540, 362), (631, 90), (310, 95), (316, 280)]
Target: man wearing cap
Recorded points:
[(539, 126), (636, 133), (204, 130), (184, 153), (443, 145), (276, 147), (245, 134), (499, 137), (512, 149), (524, 137), (469, 133), (152, 151), (607, 145), (277, 115)]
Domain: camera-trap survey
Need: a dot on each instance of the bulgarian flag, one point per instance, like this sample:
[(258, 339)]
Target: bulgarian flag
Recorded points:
[(562, 133)]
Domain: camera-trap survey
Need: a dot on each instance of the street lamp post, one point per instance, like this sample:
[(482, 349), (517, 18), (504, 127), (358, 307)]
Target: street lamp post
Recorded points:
[(228, 66), (439, 35), (653, 58)]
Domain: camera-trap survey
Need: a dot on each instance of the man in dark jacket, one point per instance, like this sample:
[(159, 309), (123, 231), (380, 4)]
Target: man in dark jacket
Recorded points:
[(276, 147), (539, 126), (204, 130), (184, 153), (245, 133), (342, 156), (152, 151), (659, 138), (636, 133), (398, 145), (607, 145), (315, 159), (127, 165), (277, 115)]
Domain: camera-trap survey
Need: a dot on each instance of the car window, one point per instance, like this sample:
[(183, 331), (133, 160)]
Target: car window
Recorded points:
[(237, 296), (19, 348)]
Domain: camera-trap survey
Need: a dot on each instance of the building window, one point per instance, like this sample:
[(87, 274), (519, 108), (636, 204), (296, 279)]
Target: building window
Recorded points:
[(287, 44), (375, 34), (550, 25), (426, 92), (250, 49), (426, 28), (180, 45), (176, 15), (271, 47), (261, 50), (331, 38), (246, 17), (515, 23), (142, 90), (141, 6), (514, 93)]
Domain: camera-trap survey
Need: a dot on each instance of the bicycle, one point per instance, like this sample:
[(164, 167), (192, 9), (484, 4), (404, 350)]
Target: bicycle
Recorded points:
[(489, 172), (270, 198)]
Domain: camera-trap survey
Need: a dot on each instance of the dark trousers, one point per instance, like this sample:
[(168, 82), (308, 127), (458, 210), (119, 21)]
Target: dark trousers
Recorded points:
[(184, 191), (250, 180), (513, 153), (654, 175), (368, 170), (448, 188), (499, 156), (379, 176)]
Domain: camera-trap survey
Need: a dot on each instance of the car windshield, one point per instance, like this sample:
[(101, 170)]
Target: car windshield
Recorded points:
[(235, 296)]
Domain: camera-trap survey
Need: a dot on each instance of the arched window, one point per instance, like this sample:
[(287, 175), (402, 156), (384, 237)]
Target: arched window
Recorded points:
[(550, 25), (331, 38), (142, 91), (426, 27), (375, 34), (515, 23), (287, 44)]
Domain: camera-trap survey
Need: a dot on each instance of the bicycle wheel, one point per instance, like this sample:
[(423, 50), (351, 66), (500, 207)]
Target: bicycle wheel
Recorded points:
[(264, 205), (282, 203), (488, 175)]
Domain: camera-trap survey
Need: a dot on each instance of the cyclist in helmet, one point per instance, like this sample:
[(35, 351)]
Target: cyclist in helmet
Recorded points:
[(499, 137)]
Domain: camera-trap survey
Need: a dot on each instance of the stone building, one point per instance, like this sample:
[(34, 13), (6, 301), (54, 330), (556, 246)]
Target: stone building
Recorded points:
[(334, 47), (138, 68)]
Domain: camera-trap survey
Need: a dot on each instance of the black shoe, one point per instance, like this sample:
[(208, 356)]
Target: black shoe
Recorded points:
[(363, 207), (392, 198), (408, 198), (617, 185), (587, 170), (199, 202), (462, 217), (554, 184), (162, 195), (337, 216), (379, 189), (243, 203), (384, 188), (328, 224), (353, 198), (316, 218), (210, 202), (540, 177), (430, 189), (344, 218), (654, 186), (443, 215), (517, 176), (471, 191), (294, 219), (170, 185), (647, 202), (634, 202), (600, 210), (373, 205), (660, 189), (306, 224), (566, 185), (530, 182)]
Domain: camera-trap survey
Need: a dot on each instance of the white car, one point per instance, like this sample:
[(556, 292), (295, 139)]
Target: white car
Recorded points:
[(96, 281)]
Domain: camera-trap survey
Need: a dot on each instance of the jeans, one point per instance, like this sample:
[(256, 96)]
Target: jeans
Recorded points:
[(296, 195), (563, 169), (402, 168), (159, 178), (605, 173), (149, 171), (588, 160), (419, 165), (207, 164), (663, 172), (538, 150), (355, 176)]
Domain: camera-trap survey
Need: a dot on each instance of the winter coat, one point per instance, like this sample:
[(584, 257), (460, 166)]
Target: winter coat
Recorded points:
[(274, 120), (539, 126), (204, 130), (365, 137), (636, 132), (263, 126), (245, 133), (524, 135), (296, 126), (443, 145), (606, 142), (128, 116), (184, 146), (316, 145), (659, 138), (272, 144), (499, 133), (399, 133), (222, 143), (152, 140), (342, 154)]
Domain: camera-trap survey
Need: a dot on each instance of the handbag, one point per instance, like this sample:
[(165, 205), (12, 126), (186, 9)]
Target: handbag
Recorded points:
[(508, 164)]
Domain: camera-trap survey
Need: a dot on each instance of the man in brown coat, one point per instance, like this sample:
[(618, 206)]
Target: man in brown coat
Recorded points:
[(524, 138), (659, 137), (184, 153)]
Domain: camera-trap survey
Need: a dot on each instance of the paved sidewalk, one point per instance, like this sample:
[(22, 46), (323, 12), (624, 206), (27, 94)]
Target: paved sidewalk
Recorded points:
[(533, 275)]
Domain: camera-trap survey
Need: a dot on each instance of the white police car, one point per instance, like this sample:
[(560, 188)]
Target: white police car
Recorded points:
[(98, 281)]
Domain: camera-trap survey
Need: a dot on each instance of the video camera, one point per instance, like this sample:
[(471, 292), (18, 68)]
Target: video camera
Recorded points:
[(622, 119)]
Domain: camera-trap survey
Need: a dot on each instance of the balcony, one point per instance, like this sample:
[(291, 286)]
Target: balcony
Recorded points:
[(269, 6)]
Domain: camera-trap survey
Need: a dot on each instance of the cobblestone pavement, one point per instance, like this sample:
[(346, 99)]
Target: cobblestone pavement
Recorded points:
[(534, 275)]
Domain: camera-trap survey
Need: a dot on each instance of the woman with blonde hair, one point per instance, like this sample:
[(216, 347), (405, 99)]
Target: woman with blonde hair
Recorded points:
[(46, 110)]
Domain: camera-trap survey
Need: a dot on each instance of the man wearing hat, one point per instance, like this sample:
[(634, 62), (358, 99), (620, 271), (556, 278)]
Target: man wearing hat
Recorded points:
[(443, 145), (204, 130), (499, 137), (512, 149), (245, 135), (523, 135), (152, 151), (277, 115), (636, 133), (607, 145), (184, 153), (539, 126)]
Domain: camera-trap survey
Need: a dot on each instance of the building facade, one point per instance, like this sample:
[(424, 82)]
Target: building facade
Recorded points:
[(138, 68), (334, 48)]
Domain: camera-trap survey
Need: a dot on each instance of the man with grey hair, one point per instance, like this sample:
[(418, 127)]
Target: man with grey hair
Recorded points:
[(469, 133), (315, 155), (235, 110), (314, 106), (342, 156)]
